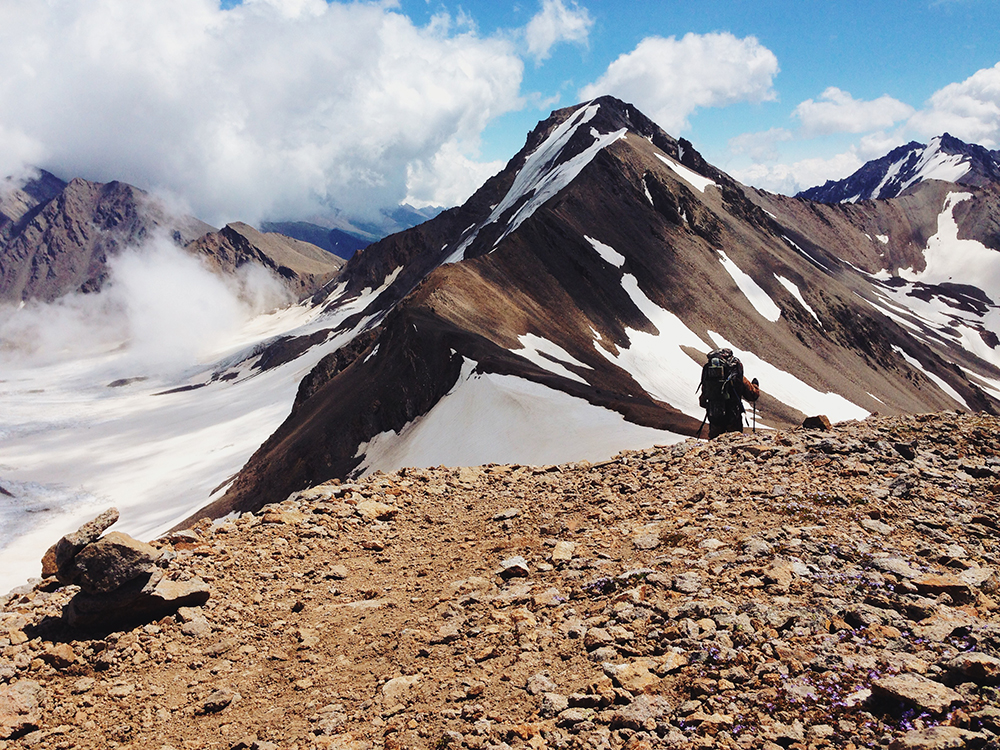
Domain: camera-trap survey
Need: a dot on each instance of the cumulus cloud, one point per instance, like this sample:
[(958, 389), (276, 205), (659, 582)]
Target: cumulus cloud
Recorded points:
[(670, 78), (556, 22), (273, 108), (789, 179), (448, 178), (969, 110), (161, 311), (838, 112), (760, 147)]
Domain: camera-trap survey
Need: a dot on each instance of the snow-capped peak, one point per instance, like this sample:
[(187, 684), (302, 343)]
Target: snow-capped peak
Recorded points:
[(945, 158)]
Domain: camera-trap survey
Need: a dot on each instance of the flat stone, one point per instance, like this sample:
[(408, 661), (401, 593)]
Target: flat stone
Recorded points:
[(981, 668), (633, 676), (923, 693), (218, 700), (514, 567), (935, 585), (642, 713), (563, 552), (876, 527), (541, 683), (372, 510), (938, 738), (572, 716), (399, 689), (19, 708), (687, 583), (553, 704)]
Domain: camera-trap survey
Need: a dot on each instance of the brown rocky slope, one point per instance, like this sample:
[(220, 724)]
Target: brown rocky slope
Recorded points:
[(802, 589)]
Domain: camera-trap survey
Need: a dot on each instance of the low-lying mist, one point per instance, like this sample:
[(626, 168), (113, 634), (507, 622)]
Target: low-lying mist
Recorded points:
[(162, 310)]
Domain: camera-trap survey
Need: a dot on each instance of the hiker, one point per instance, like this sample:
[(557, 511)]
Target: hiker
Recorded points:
[(723, 388)]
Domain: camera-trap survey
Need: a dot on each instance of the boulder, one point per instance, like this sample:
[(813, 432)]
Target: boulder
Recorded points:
[(63, 551), (110, 563), (911, 688), (144, 599), (819, 422)]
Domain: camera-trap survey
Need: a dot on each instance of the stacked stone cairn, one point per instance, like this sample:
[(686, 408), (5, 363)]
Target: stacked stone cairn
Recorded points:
[(122, 581)]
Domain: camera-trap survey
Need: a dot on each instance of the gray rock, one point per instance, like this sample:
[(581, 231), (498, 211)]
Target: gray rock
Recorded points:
[(923, 693), (541, 683), (218, 700), (144, 599), (109, 563), (514, 567), (687, 583), (553, 704), (63, 551), (19, 708), (939, 738)]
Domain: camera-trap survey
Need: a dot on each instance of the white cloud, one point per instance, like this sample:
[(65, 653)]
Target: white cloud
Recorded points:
[(838, 112), (161, 308), (761, 147), (969, 110), (556, 22), (669, 79), (789, 179), (275, 108), (447, 178)]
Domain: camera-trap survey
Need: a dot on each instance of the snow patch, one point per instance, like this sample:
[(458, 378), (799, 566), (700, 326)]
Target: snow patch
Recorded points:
[(543, 175), (154, 446), (695, 180), (937, 380), (934, 164), (798, 295), (757, 297), (883, 238), (541, 351), (488, 418), (608, 253), (949, 258), (656, 360), (788, 389)]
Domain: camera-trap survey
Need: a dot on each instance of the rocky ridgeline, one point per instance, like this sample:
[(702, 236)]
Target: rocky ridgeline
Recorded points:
[(804, 589)]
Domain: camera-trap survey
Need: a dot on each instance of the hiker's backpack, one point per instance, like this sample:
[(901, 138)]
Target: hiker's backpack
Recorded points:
[(721, 378)]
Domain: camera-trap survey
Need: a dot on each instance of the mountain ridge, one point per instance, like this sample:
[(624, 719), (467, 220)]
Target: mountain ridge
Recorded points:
[(946, 158), (516, 283)]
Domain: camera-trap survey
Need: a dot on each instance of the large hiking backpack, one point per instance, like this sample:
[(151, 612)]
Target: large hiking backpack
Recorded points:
[(721, 378)]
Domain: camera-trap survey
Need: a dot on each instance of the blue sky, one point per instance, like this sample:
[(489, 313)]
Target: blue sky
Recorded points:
[(293, 108)]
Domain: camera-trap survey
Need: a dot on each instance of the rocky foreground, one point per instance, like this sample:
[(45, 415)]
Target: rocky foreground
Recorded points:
[(803, 589)]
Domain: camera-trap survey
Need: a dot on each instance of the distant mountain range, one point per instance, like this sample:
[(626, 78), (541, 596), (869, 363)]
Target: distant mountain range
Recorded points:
[(946, 158), (565, 310)]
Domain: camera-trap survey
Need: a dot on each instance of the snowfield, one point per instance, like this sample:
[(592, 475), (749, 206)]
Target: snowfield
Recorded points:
[(72, 444)]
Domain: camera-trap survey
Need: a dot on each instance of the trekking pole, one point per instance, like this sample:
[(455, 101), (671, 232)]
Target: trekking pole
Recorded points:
[(698, 433), (756, 383)]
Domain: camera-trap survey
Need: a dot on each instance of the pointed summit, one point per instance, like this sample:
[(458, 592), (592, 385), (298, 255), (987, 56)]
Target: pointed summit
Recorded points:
[(946, 158)]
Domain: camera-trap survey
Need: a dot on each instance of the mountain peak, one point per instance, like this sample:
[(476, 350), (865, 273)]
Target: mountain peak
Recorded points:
[(945, 158)]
